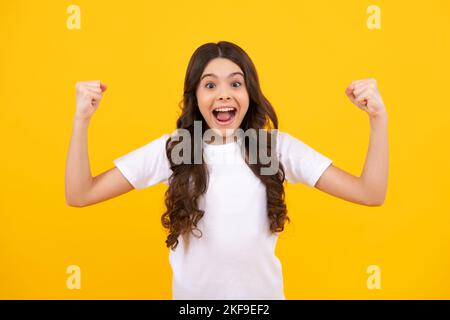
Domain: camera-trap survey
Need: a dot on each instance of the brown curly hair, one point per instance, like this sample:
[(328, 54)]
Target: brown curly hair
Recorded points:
[(189, 181)]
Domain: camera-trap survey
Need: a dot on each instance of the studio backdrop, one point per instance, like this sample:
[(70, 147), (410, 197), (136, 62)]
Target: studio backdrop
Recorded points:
[(306, 54)]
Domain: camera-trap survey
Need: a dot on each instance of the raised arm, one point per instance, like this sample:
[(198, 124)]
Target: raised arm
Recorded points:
[(81, 188), (371, 186)]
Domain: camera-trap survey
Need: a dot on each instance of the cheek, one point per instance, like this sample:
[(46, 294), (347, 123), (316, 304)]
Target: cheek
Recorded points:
[(244, 112), (203, 101), (205, 95), (243, 101), (204, 110)]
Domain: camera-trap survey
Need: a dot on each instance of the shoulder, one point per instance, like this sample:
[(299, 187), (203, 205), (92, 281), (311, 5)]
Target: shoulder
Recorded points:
[(283, 137), (288, 144), (284, 140)]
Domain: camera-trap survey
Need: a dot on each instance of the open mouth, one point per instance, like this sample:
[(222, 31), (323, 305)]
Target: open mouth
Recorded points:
[(224, 115)]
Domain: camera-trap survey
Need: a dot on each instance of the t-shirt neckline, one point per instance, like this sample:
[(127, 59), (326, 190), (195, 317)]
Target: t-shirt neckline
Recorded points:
[(222, 146)]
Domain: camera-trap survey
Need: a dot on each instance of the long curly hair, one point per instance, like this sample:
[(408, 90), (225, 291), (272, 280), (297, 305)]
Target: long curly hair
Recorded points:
[(189, 181)]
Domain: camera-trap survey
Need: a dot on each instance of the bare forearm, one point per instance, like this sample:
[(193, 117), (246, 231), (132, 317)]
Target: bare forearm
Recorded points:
[(375, 173), (78, 171)]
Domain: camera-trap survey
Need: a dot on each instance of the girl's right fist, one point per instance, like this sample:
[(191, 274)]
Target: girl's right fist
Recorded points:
[(88, 95)]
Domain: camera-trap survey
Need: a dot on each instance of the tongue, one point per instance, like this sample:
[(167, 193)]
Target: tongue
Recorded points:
[(224, 116)]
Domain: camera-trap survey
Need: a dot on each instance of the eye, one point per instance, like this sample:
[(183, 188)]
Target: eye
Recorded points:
[(210, 83)]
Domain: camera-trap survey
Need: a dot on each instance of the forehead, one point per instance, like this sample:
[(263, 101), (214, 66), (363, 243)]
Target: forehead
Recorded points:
[(221, 67)]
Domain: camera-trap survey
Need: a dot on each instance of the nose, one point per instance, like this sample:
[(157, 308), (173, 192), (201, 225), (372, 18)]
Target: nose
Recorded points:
[(225, 98), (224, 95)]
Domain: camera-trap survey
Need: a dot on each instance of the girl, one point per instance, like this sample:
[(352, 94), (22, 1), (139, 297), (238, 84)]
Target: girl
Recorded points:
[(223, 218)]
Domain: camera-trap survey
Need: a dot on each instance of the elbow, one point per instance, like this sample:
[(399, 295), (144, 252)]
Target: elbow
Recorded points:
[(375, 201), (74, 202), (374, 204), (374, 197)]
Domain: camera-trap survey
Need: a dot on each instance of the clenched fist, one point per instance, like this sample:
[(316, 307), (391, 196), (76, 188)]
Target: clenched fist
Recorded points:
[(365, 95), (88, 95)]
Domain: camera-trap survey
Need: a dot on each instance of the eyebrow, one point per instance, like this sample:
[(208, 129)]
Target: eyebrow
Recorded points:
[(213, 75)]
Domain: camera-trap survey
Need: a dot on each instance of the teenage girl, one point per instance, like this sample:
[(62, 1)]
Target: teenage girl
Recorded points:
[(223, 218)]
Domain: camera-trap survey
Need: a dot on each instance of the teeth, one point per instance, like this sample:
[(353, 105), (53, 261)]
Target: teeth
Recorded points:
[(224, 109)]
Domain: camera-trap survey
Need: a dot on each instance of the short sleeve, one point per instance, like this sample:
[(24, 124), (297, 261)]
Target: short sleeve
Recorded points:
[(301, 162), (147, 165)]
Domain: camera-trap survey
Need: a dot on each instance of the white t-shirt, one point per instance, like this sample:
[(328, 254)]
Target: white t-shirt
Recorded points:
[(235, 257)]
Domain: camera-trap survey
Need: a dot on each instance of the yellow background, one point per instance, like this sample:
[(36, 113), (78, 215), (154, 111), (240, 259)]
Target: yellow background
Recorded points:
[(306, 53)]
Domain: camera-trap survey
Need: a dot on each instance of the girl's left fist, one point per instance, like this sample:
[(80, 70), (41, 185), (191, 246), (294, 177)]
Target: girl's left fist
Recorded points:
[(365, 95)]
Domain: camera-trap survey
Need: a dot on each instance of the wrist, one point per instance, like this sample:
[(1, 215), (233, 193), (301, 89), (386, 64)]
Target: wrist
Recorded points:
[(379, 116), (81, 120)]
